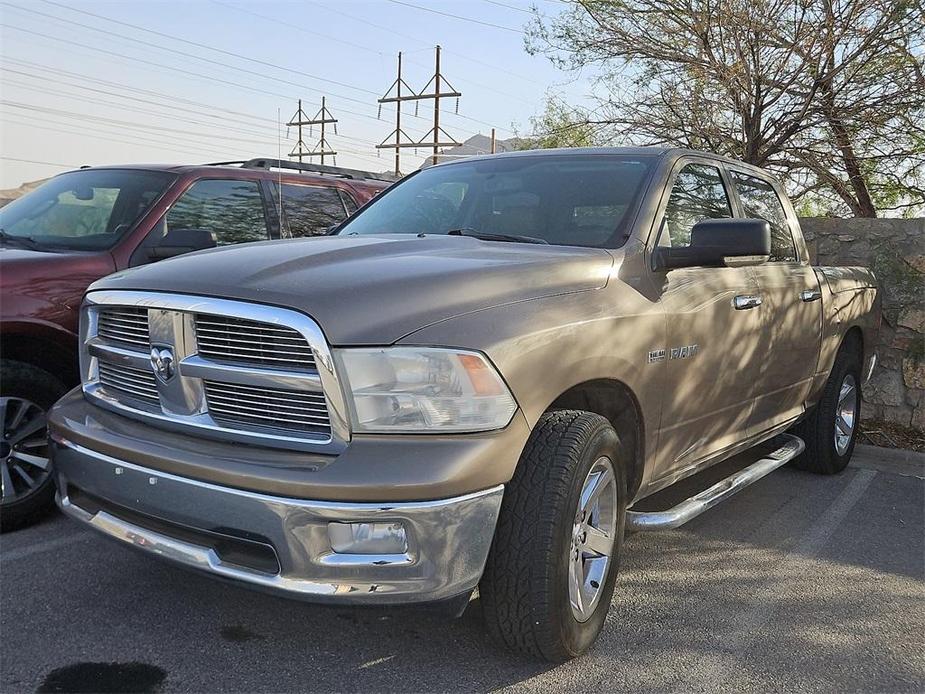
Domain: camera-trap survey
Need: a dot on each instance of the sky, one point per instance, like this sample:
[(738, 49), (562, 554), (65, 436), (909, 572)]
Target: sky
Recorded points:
[(106, 82)]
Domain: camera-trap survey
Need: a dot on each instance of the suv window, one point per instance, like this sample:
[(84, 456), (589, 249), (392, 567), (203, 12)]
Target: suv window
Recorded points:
[(760, 201), (88, 209), (311, 210), (698, 193), (232, 210)]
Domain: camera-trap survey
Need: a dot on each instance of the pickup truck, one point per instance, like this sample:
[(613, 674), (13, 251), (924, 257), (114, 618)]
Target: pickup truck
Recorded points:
[(85, 224), (470, 385)]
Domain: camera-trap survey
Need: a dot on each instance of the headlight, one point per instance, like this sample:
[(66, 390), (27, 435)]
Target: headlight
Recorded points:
[(424, 389)]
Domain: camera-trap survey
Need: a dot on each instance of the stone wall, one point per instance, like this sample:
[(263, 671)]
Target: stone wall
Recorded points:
[(895, 250)]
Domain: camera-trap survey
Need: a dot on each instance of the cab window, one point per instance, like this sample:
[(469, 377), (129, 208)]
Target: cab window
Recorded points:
[(311, 210), (760, 201), (698, 193), (231, 210)]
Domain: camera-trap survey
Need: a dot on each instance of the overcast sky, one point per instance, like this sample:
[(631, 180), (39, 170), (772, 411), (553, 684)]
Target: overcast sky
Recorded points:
[(203, 80)]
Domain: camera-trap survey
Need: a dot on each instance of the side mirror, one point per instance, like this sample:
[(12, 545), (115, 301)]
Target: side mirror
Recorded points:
[(714, 240), (179, 241)]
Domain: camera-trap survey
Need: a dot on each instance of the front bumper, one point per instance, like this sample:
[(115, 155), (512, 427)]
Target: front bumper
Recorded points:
[(277, 543)]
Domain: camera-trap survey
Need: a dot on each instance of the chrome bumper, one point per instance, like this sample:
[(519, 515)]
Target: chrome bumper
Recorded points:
[(194, 523)]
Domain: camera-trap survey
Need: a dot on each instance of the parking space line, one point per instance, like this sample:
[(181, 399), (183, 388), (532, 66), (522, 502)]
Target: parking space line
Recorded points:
[(747, 625)]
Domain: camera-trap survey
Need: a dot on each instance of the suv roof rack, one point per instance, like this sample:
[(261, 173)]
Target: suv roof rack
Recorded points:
[(266, 163)]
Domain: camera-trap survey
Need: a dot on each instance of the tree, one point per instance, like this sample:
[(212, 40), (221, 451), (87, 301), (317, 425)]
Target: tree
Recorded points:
[(828, 93)]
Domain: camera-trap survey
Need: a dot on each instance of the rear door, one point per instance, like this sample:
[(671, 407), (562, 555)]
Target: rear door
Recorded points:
[(712, 353), (791, 308)]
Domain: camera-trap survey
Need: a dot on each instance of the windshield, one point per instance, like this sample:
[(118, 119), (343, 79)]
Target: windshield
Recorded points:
[(82, 210), (571, 200)]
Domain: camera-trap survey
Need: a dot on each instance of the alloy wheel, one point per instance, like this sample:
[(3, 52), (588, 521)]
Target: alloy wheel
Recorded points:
[(24, 464), (592, 541), (846, 414)]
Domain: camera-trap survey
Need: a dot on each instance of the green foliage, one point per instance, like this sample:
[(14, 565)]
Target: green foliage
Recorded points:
[(829, 95)]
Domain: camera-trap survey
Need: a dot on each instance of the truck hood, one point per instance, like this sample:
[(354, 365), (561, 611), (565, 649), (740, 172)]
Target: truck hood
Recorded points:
[(376, 289)]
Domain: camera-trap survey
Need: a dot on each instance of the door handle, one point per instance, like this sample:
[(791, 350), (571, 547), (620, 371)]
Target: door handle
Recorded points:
[(810, 295), (746, 301)]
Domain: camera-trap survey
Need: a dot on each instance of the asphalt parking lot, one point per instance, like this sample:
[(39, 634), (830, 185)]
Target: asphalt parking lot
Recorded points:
[(799, 583)]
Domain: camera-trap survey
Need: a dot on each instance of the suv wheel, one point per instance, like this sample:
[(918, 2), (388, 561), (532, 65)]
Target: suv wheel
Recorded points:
[(550, 574), (27, 489), (831, 428)]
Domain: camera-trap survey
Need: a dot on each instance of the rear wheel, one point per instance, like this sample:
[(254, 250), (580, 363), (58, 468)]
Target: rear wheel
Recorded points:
[(550, 574), (830, 430), (27, 489)]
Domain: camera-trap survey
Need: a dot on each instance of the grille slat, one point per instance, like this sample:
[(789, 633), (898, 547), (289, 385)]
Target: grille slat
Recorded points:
[(135, 383), (124, 324), (242, 344), (275, 409), (259, 344)]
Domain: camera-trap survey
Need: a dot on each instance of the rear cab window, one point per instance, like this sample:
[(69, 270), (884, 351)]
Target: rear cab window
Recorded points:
[(310, 210), (760, 201)]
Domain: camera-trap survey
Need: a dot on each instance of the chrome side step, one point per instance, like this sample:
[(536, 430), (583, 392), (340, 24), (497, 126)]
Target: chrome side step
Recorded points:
[(691, 508)]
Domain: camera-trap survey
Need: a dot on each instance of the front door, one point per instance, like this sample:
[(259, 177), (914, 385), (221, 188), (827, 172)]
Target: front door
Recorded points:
[(712, 352)]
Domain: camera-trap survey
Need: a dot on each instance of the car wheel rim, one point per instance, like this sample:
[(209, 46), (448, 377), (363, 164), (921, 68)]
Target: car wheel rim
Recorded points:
[(846, 411), (592, 542), (24, 464)]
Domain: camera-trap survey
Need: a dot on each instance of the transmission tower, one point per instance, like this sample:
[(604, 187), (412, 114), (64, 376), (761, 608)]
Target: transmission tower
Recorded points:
[(322, 118), (398, 139)]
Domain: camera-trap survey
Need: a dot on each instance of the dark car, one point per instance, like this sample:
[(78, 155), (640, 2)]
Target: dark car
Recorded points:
[(85, 224)]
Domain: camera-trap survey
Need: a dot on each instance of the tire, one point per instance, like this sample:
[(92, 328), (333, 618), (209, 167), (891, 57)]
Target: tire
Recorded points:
[(26, 394), (525, 590), (828, 449)]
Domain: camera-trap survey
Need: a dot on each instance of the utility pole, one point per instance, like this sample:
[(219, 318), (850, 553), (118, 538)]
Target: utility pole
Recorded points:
[(492, 140), (322, 118), (433, 137)]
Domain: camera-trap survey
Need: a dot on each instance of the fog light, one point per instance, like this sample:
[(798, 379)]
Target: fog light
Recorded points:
[(368, 538)]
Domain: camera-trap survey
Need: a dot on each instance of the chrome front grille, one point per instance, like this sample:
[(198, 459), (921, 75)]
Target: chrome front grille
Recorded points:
[(268, 408), (235, 340), (137, 384), (124, 324), (228, 369)]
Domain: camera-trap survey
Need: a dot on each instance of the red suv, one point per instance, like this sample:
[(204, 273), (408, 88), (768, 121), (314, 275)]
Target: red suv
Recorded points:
[(82, 225)]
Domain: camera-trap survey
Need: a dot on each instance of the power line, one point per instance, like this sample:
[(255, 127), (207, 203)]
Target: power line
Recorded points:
[(375, 51), (107, 135), (454, 16), (200, 45), (322, 118), (510, 7), (199, 75), (493, 66), (219, 63), (126, 88), (161, 95), (34, 161), (95, 100), (401, 138)]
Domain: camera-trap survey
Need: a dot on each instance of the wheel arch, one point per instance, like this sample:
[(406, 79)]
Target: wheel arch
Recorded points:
[(616, 402), (46, 351)]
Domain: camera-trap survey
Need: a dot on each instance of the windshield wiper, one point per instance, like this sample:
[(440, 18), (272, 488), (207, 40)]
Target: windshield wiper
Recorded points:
[(485, 236), (21, 241)]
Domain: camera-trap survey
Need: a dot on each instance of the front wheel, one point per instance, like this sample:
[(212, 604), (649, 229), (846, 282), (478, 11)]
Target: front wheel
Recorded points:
[(550, 574), (27, 489)]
